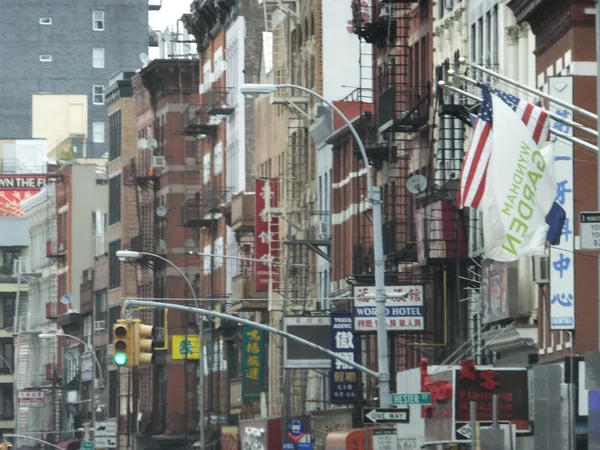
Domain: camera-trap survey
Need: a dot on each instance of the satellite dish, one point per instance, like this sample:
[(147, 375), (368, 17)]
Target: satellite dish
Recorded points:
[(142, 143), (144, 59), (161, 211), (416, 184), (66, 299), (151, 143)]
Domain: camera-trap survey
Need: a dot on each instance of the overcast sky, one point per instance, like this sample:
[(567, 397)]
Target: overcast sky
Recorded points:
[(171, 11)]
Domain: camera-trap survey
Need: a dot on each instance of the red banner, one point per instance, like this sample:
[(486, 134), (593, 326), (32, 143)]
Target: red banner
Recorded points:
[(267, 245), (16, 188)]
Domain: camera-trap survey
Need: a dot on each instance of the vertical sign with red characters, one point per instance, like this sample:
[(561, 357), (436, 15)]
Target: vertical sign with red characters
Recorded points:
[(405, 309), (266, 233), (479, 385)]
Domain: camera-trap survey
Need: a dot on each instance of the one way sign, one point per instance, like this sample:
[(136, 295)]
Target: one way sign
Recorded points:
[(385, 415)]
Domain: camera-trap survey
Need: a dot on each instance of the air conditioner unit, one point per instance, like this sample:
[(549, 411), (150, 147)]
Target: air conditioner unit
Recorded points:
[(323, 229), (100, 325), (159, 162), (541, 269)]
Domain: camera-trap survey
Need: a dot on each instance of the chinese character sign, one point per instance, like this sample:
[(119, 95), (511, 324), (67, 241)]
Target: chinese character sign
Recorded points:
[(266, 233), (253, 354), (343, 378), (405, 308), (562, 263)]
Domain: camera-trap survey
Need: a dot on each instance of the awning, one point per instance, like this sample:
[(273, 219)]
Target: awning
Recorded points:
[(74, 444)]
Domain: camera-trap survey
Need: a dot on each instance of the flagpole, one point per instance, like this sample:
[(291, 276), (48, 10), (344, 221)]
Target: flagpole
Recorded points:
[(556, 133), (533, 91), (556, 117)]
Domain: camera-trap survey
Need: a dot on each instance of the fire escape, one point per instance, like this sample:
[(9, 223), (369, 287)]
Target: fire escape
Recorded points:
[(300, 224)]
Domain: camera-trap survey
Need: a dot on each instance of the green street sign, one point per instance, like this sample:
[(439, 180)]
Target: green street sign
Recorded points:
[(87, 445), (423, 398)]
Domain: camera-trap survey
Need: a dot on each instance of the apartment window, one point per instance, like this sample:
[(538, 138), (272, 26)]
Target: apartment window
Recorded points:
[(98, 132), (8, 311), (100, 298), (114, 135), (7, 404), (114, 200), (114, 265), (45, 20), (46, 58), (98, 58), (7, 354), (98, 95), (9, 258), (98, 20)]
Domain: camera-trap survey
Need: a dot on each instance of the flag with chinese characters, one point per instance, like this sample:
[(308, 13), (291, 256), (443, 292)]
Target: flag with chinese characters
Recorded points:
[(343, 378), (253, 364), (520, 188)]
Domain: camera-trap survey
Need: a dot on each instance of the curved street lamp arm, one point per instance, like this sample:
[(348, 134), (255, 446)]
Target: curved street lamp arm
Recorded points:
[(41, 441), (88, 347), (174, 266)]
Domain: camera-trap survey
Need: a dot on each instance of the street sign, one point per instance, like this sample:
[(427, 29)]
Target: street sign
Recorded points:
[(385, 415), (296, 430), (87, 445), (463, 429), (385, 439), (422, 398), (106, 442), (589, 230), (106, 429)]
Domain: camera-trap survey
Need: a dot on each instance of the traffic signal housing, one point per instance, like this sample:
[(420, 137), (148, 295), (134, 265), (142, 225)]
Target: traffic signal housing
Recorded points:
[(144, 343), (123, 341)]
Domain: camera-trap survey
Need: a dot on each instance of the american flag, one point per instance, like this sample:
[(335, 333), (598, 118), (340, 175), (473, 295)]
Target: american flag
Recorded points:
[(473, 174)]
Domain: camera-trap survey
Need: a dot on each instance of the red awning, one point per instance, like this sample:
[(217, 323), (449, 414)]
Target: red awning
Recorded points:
[(74, 444)]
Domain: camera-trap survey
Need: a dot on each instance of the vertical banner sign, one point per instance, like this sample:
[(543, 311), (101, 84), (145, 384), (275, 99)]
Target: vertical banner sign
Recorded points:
[(562, 263), (343, 378), (266, 233), (253, 355)]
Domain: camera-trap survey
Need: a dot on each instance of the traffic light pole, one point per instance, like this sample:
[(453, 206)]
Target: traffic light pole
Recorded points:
[(129, 302)]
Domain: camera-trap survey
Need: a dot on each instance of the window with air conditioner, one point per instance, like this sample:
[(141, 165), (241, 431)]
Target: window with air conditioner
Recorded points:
[(46, 58), (45, 20), (100, 309), (541, 269)]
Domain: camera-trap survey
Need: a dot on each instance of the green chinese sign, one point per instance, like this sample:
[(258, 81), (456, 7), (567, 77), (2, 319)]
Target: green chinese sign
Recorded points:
[(253, 355)]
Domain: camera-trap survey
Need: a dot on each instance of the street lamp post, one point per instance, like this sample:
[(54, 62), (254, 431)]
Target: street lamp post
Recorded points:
[(131, 256), (97, 380), (374, 197), (39, 441)]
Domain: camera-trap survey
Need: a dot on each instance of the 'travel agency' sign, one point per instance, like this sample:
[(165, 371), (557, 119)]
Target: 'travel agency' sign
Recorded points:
[(16, 188)]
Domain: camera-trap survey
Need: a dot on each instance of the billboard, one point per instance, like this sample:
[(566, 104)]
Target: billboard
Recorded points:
[(313, 329), (16, 188), (402, 313), (267, 244), (343, 378)]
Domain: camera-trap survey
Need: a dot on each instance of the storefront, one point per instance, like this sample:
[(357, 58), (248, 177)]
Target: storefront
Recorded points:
[(260, 434)]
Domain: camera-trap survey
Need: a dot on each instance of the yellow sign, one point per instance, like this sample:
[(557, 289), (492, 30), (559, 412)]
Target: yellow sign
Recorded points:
[(182, 346)]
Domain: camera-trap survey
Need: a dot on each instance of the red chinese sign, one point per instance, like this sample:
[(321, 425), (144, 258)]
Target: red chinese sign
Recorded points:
[(267, 239), (16, 188), (480, 386)]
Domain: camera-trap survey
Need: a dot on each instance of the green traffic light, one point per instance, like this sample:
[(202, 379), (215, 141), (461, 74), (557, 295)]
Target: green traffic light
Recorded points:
[(120, 359)]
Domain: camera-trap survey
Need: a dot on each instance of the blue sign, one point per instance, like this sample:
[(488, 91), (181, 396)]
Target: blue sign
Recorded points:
[(288, 446), (343, 378), (404, 309), (296, 430), (305, 446)]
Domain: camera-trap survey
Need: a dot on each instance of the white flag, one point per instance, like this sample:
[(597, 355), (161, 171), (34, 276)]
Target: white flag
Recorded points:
[(520, 189)]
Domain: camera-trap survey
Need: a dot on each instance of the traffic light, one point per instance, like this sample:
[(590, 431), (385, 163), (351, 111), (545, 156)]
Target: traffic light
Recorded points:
[(123, 343), (144, 343), (6, 446)]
